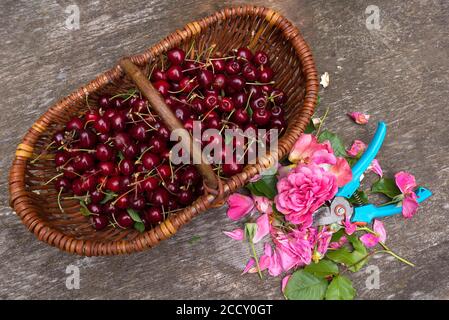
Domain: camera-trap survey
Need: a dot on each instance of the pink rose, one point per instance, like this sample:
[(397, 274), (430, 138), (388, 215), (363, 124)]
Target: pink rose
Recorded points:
[(357, 148), (295, 248), (302, 191), (308, 150), (359, 118)]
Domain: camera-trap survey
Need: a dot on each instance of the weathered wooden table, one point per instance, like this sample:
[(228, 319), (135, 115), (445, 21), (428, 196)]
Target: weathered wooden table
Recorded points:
[(398, 74)]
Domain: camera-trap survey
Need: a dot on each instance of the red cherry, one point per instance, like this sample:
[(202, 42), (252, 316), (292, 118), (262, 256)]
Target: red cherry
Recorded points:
[(113, 184), (240, 117), (279, 97), (211, 100), (99, 222), (139, 131), (103, 102), (122, 201), (240, 99), (174, 73), (261, 117), (266, 74), (236, 82), (137, 202), (163, 87), (102, 125), (150, 160), (107, 168), (74, 124), (121, 140), (164, 171), (205, 78), (182, 113), (198, 106), (150, 184), (278, 123), (219, 81), (187, 85), (250, 72), (69, 171), (255, 92), (153, 215), (83, 162), (124, 220), (158, 74), (233, 67), (130, 151), (244, 54), (230, 169), (160, 197), (92, 115), (118, 122), (96, 196), (258, 103), (226, 104), (63, 183), (58, 138), (191, 176), (157, 144), (103, 152), (94, 208), (261, 58), (61, 157), (176, 56), (277, 112), (126, 167), (218, 65), (185, 197)]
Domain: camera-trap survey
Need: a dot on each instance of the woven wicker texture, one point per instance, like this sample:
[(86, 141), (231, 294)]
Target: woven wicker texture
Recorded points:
[(259, 28)]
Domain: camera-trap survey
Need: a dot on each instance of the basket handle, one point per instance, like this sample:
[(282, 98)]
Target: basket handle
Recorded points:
[(157, 102)]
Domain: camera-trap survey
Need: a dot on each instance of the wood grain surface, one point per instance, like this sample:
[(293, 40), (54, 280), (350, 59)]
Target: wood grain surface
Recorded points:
[(398, 74)]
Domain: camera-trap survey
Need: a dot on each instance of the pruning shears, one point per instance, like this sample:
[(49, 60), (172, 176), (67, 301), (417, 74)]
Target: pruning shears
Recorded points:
[(340, 207)]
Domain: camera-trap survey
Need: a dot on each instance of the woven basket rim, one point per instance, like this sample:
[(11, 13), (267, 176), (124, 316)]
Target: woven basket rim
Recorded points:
[(22, 203)]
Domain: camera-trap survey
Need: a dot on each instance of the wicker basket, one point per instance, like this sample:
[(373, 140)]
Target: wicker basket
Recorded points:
[(256, 27)]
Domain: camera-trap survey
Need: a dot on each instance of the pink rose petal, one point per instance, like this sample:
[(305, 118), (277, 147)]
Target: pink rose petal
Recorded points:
[(350, 227), (284, 282), (375, 167), (263, 227), (409, 205), (405, 181), (263, 204), (359, 118), (369, 240), (239, 206), (237, 234), (249, 266), (379, 229), (357, 148), (342, 172)]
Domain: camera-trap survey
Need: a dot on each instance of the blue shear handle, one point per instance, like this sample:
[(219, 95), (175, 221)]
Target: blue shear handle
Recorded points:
[(368, 156), (369, 212)]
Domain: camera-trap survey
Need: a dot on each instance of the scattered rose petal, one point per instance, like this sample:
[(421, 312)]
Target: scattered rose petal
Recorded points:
[(357, 148), (359, 118), (409, 205), (325, 80), (239, 206), (379, 229), (349, 226), (263, 227), (284, 282), (237, 234), (255, 178), (249, 266), (375, 167), (369, 240), (405, 181)]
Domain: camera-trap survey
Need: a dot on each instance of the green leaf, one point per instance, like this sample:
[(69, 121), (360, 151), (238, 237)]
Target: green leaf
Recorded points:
[(310, 127), (318, 100), (108, 196), (134, 215), (120, 155), (354, 259), (250, 112), (303, 285), (387, 186), (253, 190), (340, 289), (139, 226), (83, 209), (266, 186), (359, 195), (335, 141), (323, 268), (250, 230)]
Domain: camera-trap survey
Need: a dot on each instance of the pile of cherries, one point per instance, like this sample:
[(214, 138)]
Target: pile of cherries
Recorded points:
[(115, 158)]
